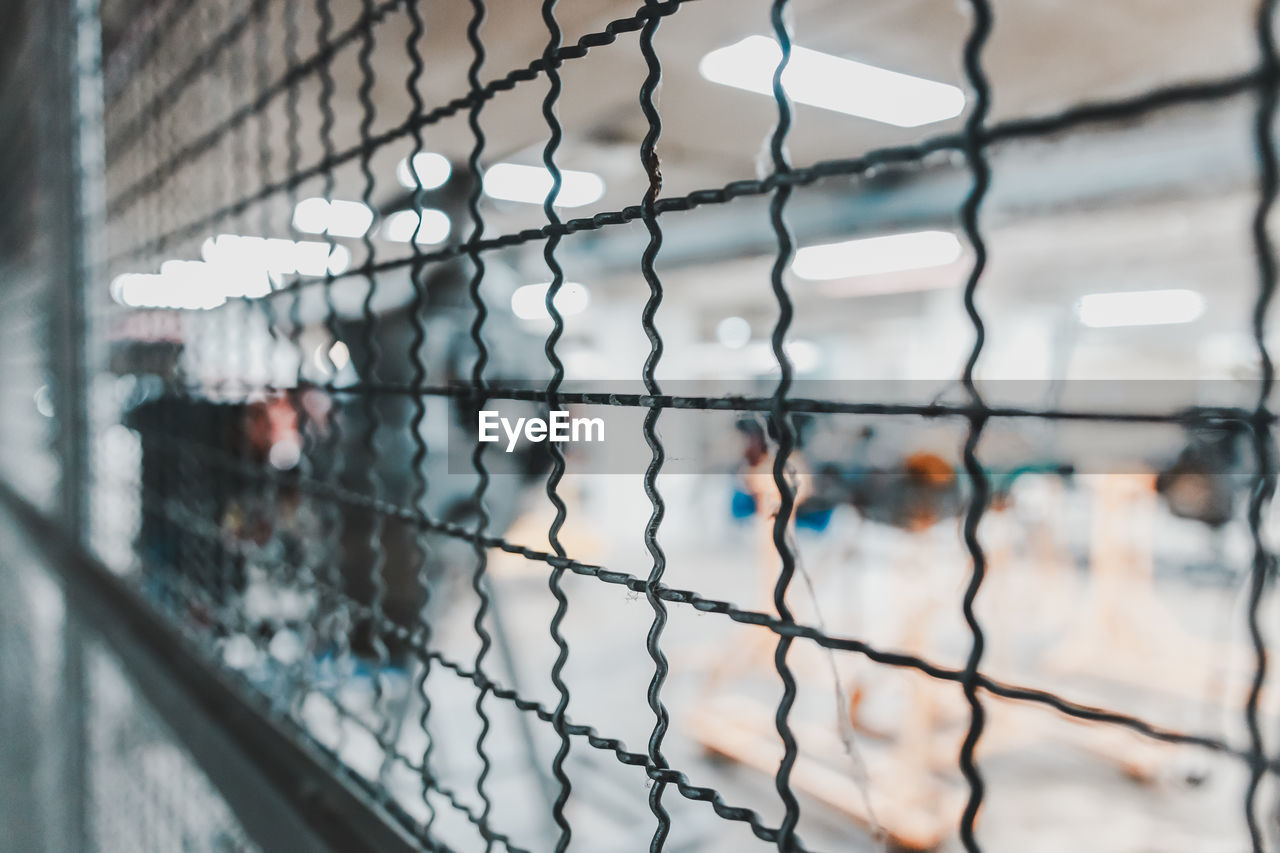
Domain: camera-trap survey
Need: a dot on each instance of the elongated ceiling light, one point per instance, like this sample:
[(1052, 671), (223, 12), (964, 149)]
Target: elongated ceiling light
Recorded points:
[(338, 218), (234, 266), (530, 302), (1139, 308), (432, 171), (833, 83), (877, 255), (402, 225), (530, 184)]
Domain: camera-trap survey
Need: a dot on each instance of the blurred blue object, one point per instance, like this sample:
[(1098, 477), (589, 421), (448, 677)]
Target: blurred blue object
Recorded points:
[(816, 520), (743, 504)]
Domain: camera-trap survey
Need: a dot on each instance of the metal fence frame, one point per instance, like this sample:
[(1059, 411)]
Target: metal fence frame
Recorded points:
[(326, 804)]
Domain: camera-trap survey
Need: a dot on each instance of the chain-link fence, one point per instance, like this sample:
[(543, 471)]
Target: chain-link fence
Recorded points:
[(296, 304)]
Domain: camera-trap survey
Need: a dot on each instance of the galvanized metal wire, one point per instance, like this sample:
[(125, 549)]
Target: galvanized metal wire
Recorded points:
[(342, 480)]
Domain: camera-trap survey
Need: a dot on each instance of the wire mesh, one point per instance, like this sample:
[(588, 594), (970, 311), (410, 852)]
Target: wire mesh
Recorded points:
[(75, 718), (145, 792), (319, 570)]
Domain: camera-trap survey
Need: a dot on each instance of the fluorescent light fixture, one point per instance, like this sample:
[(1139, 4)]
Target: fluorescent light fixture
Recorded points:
[(207, 285), (254, 255), (733, 332), (530, 184), (180, 285), (234, 267), (349, 218), (877, 255), (833, 83), (337, 218), (339, 259), (530, 302), (432, 170), (1139, 308), (311, 215), (401, 225)]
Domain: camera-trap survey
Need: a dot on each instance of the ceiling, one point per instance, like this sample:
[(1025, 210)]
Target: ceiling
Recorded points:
[(1163, 200)]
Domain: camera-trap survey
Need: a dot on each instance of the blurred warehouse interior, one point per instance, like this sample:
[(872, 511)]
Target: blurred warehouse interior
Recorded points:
[(282, 290)]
